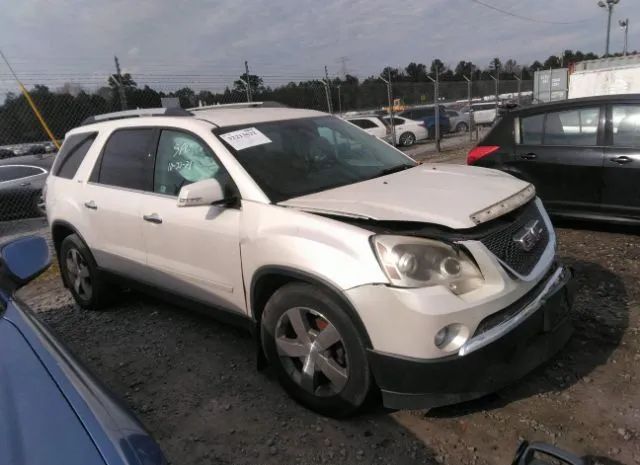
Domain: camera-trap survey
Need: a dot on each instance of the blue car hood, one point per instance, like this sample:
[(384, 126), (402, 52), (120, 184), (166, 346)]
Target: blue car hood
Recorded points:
[(37, 424)]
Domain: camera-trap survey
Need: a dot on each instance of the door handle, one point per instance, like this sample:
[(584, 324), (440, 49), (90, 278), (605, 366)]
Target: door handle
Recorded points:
[(529, 156), (153, 218), (91, 205), (621, 160)]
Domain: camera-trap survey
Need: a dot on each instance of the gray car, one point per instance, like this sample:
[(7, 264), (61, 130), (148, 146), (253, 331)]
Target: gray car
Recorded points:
[(21, 182), (459, 121)]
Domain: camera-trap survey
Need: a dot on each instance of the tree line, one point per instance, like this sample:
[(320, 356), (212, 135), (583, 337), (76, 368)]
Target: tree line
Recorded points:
[(66, 108)]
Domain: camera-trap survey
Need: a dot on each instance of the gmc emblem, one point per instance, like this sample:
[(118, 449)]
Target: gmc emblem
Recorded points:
[(529, 235)]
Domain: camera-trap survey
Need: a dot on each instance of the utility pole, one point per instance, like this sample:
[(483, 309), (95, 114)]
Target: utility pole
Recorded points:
[(339, 100), (624, 24), (387, 81), (436, 88), (608, 4), (468, 79), (247, 84), (327, 89), (118, 79), (519, 79)]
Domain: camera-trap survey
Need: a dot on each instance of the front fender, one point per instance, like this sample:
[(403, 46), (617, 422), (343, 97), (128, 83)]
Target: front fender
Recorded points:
[(338, 253)]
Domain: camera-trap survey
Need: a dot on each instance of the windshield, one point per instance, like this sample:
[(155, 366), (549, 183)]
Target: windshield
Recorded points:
[(297, 157)]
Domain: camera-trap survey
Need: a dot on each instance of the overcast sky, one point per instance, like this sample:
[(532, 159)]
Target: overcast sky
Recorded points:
[(289, 39)]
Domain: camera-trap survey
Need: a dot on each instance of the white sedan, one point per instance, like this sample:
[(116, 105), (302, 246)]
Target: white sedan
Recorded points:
[(408, 131)]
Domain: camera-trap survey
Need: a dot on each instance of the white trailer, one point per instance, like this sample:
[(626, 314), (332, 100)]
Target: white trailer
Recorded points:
[(607, 76)]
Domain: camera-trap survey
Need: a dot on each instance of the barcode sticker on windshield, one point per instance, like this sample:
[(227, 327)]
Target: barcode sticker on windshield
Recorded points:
[(245, 138)]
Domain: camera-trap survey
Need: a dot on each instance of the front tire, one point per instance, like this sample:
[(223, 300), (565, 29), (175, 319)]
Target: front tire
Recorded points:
[(316, 350), (462, 127), (81, 275)]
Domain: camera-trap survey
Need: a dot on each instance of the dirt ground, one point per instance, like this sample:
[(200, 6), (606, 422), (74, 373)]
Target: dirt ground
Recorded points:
[(194, 382)]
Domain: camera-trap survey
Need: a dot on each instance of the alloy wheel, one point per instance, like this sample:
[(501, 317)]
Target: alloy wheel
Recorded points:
[(78, 274), (408, 140), (312, 351)]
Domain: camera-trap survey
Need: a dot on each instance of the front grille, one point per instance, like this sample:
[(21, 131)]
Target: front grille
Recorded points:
[(501, 243)]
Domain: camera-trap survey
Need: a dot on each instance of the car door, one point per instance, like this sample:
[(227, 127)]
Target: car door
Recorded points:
[(192, 251), (621, 173), (112, 200), (561, 153), (370, 127), (399, 123), (20, 187)]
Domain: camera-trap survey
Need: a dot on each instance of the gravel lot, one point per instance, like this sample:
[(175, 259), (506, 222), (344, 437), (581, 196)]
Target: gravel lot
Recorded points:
[(194, 382)]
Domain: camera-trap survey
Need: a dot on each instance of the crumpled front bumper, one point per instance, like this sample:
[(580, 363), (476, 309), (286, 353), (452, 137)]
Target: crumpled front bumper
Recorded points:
[(511, 350)]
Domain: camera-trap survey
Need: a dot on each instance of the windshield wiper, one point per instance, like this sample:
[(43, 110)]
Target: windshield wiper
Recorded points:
[(394, 169)]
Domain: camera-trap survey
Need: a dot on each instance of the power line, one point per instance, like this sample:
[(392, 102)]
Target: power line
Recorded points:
[(526, 18)]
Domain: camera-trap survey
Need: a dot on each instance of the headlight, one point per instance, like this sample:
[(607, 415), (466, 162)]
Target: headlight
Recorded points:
[(415, 262)]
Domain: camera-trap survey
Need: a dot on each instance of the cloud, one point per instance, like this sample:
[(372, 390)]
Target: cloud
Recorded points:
[(289, 39)]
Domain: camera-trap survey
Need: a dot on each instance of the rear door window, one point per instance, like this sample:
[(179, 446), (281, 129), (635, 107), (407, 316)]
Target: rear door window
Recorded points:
[(531, 128), (626, 125), (72, 153), (396, 121), (127, 159), (572, 127), (363, 123)]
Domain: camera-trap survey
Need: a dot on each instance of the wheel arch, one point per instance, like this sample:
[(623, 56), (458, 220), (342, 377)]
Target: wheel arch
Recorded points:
[(268, 279), (61, 229)]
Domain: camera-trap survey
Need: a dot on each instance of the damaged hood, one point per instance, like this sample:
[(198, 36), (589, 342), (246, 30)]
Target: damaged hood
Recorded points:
[(454, 196)]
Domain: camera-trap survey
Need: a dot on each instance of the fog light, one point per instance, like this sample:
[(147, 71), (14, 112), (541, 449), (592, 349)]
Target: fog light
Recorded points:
[(451, 337)]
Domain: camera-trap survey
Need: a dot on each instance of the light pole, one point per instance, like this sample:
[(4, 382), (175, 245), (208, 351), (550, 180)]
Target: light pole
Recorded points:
[(608, 4), (624, 25)]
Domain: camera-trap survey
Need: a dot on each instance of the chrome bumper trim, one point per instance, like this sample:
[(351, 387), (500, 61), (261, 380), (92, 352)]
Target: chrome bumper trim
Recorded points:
[(557, 279)]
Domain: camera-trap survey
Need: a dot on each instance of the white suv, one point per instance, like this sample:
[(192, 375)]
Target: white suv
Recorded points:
[(358, 270)]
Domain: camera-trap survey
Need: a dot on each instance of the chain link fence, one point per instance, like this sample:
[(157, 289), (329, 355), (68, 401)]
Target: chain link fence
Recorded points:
[(26, 155)]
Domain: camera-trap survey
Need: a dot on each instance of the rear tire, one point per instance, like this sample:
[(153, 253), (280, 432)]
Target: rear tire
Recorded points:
[(407, 139), (316, 350), (81, 276), (462, 127)]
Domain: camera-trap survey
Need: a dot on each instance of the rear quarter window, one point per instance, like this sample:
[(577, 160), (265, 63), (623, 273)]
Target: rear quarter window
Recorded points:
[(71, 154), (531, 129)]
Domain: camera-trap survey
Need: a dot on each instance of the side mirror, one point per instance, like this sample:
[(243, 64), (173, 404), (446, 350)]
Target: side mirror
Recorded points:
[(206, 192), (22, 260)]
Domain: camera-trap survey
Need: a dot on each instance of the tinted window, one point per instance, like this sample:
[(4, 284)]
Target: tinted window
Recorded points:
[(10, 173), (72, 153), (452, 114), (364, 123), (301, 156), (572, 127), (423, 113), (182, 159), (396, 121), (531, 129), (126, 160), (626, 125)]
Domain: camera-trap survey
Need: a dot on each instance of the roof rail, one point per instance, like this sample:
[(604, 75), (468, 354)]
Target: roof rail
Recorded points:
[(136, 113), (226, 106)]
